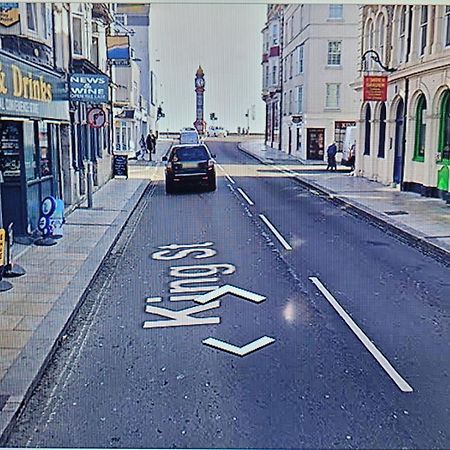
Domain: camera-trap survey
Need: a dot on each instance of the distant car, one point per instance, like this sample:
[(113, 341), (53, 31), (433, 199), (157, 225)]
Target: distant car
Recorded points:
[(190, 164), (214, 131), (189, 137)]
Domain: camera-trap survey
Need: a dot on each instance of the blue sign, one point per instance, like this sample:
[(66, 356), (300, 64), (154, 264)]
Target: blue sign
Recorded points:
[(88, 88)]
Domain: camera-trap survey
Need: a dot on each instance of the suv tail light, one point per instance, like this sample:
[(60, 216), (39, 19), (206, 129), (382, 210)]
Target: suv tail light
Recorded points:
[(210, 164)]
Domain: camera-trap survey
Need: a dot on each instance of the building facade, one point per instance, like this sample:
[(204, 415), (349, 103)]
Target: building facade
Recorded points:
[(271, 73), (318, 56), (405, 141), (34, 114)]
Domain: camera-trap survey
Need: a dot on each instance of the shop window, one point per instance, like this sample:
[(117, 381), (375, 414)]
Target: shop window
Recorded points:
[(31, 16), (444, 128), (419, 145), (44, 150), (382, 131), (10, 147), (367, 130)]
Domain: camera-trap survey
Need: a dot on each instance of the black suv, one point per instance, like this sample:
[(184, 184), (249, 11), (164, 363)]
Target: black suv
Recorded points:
[(190, 164)]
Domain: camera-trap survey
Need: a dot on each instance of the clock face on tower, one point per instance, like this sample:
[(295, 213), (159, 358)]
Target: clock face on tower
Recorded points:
[(199, 82)]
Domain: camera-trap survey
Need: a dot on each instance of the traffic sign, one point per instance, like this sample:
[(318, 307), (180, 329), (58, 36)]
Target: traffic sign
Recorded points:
[(96, 117)]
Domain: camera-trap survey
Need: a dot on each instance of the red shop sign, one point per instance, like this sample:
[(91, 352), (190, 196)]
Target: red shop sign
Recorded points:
[(375, 88)]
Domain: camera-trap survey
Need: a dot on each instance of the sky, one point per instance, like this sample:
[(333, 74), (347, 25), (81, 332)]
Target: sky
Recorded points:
[(226, 41)]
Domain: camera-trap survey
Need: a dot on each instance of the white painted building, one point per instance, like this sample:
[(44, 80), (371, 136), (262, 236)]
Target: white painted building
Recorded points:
[(320, 45), (415, 41), (271, 78)]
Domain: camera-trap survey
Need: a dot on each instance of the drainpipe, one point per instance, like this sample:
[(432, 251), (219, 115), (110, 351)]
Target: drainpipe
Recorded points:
[(405, 109), (281, 81)]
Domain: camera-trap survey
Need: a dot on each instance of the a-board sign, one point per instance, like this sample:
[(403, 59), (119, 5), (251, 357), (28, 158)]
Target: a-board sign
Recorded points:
[(120, 166)]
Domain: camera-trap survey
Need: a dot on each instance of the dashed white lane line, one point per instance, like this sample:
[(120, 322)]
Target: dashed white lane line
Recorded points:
[(247, 198), (277, 234), (384, 363), (230, 179)]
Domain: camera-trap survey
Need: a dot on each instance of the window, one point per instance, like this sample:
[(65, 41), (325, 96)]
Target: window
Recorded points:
[(275, 34), (285, 69), (94, 51), (77, 35), (300, 54), (274, 75), (45, 25), (290, 101), (299, 99), (284, 103), (444, 128), (447, 25), (367, 130), (31, 16), (381, 38), (44, 151), (291, 28), (335, 11), (332, 99), (334, 53), (423, 28), (402, 35), (382, 134), (419, 146), (291, 60)]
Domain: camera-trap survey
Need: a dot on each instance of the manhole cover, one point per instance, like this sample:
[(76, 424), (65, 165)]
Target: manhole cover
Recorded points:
[(396, 213)]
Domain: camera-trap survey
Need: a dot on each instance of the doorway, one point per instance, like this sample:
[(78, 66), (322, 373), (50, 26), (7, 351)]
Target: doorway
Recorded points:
[(399, 145)]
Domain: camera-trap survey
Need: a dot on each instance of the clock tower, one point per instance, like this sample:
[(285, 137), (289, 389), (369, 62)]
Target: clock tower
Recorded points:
[(199, 91)]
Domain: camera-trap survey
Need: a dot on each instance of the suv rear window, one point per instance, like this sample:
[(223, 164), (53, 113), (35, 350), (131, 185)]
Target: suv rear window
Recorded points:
[(198, 153)]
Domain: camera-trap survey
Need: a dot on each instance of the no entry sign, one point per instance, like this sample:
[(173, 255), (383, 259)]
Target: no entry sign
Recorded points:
[(375, 88), (96, 117)]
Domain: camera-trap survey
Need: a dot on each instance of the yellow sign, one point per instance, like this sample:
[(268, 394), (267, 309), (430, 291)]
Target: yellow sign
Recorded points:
[(9, 14), (2, 246)]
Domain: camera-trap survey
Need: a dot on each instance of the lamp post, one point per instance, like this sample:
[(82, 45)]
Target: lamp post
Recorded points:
[(375, 57)]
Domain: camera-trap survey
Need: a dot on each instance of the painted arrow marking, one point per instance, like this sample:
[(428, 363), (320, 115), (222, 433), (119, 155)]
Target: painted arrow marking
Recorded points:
[(229, 289), (239, 351)]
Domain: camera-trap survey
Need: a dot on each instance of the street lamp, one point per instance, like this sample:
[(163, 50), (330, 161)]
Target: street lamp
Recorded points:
[(375, 57)]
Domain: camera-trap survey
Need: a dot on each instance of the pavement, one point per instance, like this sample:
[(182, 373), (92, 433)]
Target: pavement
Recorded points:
[(424, 220), (35, 313)]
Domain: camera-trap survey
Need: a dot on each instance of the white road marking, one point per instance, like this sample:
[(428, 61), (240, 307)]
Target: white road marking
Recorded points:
[(247, 198), (220, 167), (153, 299), (384, 363), (239, 351), (229, 289), (230, 179), (283, 241)]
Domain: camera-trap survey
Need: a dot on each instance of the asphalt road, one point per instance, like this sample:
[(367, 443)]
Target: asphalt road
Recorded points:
[(358, 321)]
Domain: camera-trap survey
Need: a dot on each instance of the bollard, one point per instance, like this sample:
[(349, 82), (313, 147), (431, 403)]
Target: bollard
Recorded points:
[(4, 285), (48, 207), (12, 270)]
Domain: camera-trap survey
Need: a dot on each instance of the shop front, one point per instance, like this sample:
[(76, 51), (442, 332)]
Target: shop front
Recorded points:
[(34, 120)]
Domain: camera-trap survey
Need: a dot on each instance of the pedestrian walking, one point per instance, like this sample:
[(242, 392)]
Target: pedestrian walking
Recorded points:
[(143, 146), (149, 144), (331, 153), (154, 143)]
